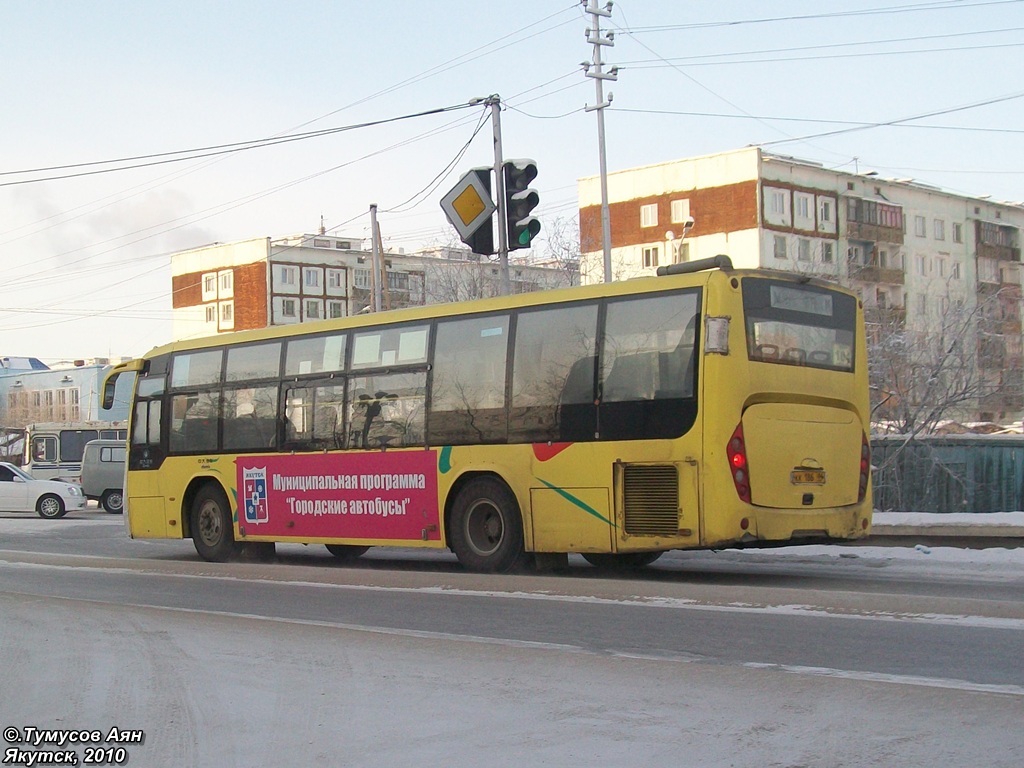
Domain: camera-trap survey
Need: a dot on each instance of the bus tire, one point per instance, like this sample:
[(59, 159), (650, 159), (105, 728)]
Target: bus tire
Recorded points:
[(50, 507), (212, 531), (621, 561), (486, 531), (113, 501), (346, 551)]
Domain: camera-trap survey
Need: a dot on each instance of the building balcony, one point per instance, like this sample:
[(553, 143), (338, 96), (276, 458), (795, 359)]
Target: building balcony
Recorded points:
[(870, 273), (885, 317), (858, 230), (998, 252)]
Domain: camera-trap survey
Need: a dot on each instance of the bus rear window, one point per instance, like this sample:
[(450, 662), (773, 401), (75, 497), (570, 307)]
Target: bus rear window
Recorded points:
[(792, 324)]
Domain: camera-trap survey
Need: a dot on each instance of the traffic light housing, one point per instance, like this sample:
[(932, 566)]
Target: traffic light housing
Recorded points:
[(520, 200)]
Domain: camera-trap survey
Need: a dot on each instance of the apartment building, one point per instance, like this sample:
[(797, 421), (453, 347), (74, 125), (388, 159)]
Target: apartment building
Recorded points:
[(263, 281)]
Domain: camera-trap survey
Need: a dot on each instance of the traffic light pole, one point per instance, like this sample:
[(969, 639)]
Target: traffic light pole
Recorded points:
[(494, 102)]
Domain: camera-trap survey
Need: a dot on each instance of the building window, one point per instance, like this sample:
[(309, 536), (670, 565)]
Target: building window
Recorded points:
[(313, 309), (779, 246), (343, 245), (649, 215), (825, 211), (827, 253), (954, 271), (287, 275), (361, 278), (335, 278), (651, 257), (211, 313), (920, 227), (335, 309), (311, 278), (802, 206), (680, 211), (209, 286), (939, 229), (321, 243), (940, 266), (803, 249), (921, 265), (958, 233), (227, 282), (777, 201), (227, 314), (922, 304), (288, 308)]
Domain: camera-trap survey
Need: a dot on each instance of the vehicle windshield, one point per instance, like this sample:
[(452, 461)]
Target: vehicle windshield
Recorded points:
[(792, 324), (20, 472)]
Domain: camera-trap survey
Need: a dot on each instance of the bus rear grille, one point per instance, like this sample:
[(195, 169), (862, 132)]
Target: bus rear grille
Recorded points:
[(651, 500)]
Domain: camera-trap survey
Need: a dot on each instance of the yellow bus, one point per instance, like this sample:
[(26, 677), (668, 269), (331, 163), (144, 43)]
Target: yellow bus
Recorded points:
[(705, 407)]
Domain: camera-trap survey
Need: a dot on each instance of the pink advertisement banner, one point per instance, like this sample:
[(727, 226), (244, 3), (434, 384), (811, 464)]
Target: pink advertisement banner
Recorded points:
[(358, 496)]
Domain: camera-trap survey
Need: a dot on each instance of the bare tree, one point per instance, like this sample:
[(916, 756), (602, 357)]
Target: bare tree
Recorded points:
[(962, 367), (562, 247)]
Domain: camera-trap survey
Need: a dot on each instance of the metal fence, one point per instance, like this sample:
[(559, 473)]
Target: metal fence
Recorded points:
[(956, 473)]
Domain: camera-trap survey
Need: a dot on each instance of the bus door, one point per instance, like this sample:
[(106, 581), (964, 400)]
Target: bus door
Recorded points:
[(147, 450)]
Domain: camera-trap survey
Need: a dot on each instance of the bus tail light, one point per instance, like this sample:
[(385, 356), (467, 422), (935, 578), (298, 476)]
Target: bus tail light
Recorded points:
[(865, 466), (737, 453)]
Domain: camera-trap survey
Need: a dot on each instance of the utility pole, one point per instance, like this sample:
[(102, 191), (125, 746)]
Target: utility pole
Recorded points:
[(377, 258), (594, 69), (494, 102)]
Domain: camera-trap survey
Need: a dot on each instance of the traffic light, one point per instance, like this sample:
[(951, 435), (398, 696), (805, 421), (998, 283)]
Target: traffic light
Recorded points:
[(520, 200)]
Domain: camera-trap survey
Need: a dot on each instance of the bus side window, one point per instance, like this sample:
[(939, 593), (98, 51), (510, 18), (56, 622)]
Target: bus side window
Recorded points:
[(386, 411), (647, 367)]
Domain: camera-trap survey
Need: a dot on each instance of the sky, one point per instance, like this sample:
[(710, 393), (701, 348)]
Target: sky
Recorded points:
[(183, 96)]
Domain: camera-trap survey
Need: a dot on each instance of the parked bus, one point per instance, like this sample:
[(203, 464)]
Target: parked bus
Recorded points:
[(703, 408), (53, 450)]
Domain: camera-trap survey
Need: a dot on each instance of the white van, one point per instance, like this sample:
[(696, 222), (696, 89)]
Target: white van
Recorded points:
[(103, 463)]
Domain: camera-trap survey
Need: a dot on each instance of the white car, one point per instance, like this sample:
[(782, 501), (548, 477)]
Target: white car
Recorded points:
[(20, 492)]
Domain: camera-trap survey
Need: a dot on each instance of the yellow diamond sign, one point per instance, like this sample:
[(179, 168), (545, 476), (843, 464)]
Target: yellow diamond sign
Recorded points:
[(468, 204)]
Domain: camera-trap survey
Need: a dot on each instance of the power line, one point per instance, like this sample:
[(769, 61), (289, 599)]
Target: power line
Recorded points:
[(933, 113), (942, 5), (816, 120), (199, 153), (821, 57)]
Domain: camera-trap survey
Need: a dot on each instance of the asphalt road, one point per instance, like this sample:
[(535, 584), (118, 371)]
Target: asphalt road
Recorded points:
[(736, 659), (959, 625)]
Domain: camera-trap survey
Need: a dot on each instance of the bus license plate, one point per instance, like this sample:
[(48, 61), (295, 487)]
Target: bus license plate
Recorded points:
[(807, 477)]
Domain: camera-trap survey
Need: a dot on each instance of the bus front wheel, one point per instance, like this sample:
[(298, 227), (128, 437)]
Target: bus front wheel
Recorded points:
[(486, 528), (346, 551), (621, 561), (212, 531)]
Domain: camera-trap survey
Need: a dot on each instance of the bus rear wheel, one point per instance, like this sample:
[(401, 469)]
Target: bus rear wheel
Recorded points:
[(212, 532), (346, 551), (621, 561), (486, 531)]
